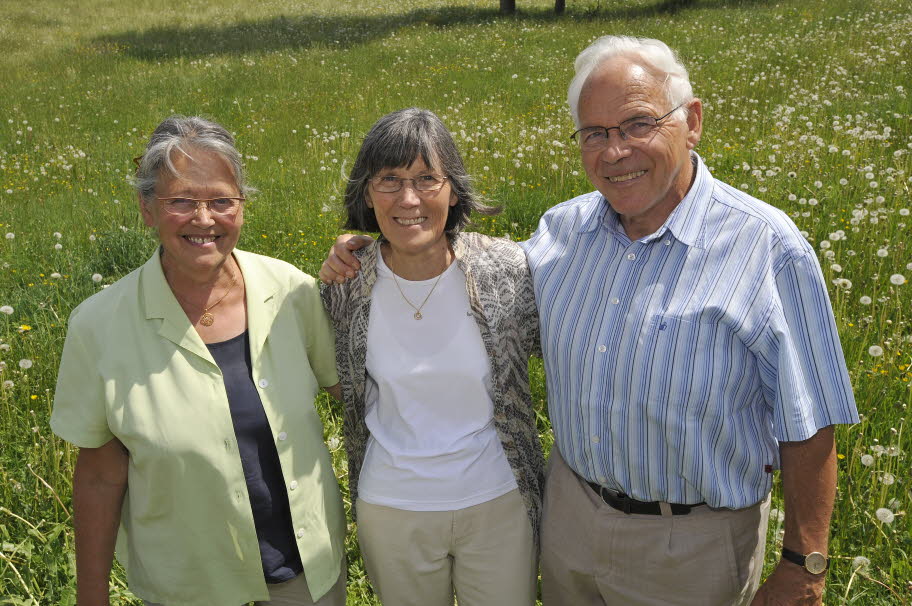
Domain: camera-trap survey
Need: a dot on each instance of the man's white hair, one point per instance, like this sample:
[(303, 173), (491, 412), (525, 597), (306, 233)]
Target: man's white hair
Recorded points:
[(654, 54)]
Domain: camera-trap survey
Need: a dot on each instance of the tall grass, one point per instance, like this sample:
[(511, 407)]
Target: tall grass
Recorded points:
[(806, 104)]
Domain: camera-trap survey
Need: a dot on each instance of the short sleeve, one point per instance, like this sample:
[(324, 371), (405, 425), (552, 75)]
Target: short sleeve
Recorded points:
[(320, 341), (806, 375), (80, 409)]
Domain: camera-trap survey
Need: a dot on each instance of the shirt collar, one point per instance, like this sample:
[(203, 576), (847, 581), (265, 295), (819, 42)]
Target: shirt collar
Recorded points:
[(685, 222)]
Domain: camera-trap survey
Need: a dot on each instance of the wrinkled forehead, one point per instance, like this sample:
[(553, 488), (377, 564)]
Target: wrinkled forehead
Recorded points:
[(621, 82)]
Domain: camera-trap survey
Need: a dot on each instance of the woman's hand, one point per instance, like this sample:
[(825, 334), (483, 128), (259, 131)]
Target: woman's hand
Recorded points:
[(340, 264), (99, 485)]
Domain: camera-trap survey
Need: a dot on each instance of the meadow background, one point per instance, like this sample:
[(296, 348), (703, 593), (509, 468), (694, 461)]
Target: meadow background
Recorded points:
[(806, 103)]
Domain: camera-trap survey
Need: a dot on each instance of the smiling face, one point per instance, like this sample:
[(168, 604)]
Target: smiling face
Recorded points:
[(412, 221), (643, 180), (196, 245)]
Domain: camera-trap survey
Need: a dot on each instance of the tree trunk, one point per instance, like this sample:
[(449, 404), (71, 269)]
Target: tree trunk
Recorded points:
[(508, 7), (559, 6)]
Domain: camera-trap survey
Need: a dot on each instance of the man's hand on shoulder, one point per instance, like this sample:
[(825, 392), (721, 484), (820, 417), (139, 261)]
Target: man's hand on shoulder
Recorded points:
[(790, 585), (340, 264)]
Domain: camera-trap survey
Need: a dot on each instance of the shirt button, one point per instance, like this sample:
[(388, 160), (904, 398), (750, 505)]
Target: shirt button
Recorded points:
[(300, 533), (293, 485), (282, 436), (595, 439), (667, 242), (631, 257), (602, 349), (615, 300), (264, 383)]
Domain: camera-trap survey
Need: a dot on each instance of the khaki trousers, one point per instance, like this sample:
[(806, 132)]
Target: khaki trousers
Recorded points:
[(593, 554), (485, 554), (296, 593)]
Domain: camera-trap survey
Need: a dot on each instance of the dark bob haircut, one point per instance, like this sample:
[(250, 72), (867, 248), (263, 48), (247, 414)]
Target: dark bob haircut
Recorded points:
[(397, 140)]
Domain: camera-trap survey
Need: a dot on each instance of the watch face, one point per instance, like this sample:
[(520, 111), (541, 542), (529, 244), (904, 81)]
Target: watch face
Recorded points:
[(815, 562)]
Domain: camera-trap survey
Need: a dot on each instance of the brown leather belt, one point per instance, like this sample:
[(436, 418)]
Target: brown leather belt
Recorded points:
[(622, 502)]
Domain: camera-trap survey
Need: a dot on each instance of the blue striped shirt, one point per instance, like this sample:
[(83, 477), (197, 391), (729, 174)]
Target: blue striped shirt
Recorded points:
[(676, 362)]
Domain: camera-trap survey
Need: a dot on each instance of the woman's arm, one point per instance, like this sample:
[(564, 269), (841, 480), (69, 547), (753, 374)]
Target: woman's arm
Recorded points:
[(99, 485)]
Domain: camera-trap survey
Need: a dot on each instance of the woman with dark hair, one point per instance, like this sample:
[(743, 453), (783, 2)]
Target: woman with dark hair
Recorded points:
[(433, 338)]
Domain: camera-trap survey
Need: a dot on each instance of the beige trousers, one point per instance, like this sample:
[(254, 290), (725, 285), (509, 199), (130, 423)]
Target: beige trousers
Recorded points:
[(485, 554), (296, 593), (593, 554)]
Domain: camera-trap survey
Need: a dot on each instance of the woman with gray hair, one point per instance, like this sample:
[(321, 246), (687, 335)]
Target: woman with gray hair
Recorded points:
[(187, 385), (433, 339)]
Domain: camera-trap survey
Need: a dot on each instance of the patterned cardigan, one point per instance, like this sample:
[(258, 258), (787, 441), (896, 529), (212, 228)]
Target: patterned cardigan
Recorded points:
[(501, 297)]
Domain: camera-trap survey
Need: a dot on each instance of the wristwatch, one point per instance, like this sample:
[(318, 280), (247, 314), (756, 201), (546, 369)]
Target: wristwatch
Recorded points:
[(814, 562)]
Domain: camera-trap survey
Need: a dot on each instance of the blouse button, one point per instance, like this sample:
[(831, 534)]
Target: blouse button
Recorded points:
[(282, 436), (264, 383), (293, 485)]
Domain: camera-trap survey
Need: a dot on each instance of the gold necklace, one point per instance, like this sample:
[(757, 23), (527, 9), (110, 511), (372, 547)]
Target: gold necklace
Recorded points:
[(417, 315), (208, 319)]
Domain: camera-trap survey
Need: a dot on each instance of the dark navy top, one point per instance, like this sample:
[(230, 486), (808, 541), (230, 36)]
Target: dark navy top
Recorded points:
[(260, 461)]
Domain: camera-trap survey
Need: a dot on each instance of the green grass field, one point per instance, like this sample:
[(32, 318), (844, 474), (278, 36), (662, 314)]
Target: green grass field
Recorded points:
[(807, 105)]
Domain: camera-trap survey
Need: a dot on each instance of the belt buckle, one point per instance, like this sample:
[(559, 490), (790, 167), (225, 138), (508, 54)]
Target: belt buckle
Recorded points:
[(617, 500)]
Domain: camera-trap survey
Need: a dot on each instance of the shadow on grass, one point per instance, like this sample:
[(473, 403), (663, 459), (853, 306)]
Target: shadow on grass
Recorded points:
[(306, 31)]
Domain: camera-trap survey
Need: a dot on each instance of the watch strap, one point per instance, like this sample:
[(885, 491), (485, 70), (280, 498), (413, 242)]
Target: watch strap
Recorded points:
[(801, 559)]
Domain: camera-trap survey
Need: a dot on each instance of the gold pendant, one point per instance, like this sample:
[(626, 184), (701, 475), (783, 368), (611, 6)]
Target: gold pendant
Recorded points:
[(417, 315), (207, 319)]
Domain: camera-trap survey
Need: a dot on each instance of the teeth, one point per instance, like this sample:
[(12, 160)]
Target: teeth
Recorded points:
[(627, 177), (411, 221), (201, 239)]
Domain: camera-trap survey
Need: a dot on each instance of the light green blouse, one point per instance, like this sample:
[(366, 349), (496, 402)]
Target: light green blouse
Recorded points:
[(134, 368)]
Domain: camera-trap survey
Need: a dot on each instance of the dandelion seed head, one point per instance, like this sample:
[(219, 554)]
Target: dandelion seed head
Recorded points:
[(867, 460), (860, 563), (888, 479), (25, 363), (96, 278), (885, 515), (875, 351), (897, 279), (6, 309)]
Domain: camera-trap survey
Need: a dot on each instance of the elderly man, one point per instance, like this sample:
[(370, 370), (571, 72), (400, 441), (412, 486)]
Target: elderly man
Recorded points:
[(690, 350)]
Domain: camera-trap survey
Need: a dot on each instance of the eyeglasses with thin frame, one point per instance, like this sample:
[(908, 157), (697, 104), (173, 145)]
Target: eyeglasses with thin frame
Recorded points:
[(225, 206), (592, 138), (390, 184)]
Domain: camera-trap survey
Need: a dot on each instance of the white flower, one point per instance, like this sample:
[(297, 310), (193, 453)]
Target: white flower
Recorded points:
[(55, 276), (888, 478), (884, 515), (894, 504), (96, 278), (865, 300), (333, 443), (824, 244), (8, 384), (836, 267), (4, 347), (58, 246), (776, 514), (875, 351), (892, 451), (882, 252), (25, 363), (6, 309), (58, 235), (2, 365), (10, 235), (91, 237), (860, 563), (867, 460), (897, 279)]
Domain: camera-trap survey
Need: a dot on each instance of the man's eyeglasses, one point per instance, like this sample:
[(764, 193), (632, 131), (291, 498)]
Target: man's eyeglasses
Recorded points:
[(389, 184), (592, 138), (183, 207)]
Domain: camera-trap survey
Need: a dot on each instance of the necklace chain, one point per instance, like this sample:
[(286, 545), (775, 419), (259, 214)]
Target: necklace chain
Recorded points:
[(208, 319), (417, 315)]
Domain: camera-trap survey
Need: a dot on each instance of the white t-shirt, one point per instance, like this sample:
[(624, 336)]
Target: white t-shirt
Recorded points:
[(432, 445)]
